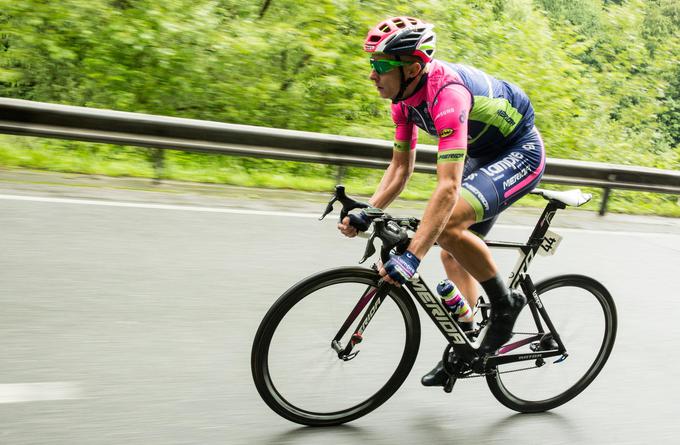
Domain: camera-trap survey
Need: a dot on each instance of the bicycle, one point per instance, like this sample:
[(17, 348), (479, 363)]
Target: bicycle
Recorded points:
[(348, 294)]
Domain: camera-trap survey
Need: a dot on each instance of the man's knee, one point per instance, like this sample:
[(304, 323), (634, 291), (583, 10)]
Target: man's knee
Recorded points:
[(449, 261), (452, 233), (446, 257)]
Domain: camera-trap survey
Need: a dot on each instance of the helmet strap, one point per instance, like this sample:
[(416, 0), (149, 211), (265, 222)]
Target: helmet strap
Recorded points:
[(404, 82)]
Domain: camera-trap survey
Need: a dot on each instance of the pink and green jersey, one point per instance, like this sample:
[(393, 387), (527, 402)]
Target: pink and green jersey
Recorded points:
[(468, 110)]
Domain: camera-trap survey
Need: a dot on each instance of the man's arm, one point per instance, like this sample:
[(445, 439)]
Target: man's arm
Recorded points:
[(450, 120), (392, 183), (439, 207), (396, 176)]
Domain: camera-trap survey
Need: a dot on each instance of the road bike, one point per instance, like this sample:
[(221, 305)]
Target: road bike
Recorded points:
[(339, 343)]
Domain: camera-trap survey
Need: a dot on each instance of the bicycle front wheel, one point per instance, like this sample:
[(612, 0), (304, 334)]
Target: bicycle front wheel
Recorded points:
[(584, 316), (300, 375)]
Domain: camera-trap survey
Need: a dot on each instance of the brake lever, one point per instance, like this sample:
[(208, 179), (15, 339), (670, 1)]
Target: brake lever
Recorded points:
[(329, 207), (348, 204), (370, 248)]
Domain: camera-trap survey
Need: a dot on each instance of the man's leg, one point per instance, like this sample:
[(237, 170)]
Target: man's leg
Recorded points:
[(465, 282)]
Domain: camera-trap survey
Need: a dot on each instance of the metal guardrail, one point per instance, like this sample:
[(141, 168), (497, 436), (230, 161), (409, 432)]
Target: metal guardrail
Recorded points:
[(21, 117)]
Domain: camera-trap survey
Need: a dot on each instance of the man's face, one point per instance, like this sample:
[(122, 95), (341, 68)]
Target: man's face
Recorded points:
[(388, 83)]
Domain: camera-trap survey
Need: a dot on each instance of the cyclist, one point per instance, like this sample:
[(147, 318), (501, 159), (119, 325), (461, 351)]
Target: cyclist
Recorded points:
[(489, 155)]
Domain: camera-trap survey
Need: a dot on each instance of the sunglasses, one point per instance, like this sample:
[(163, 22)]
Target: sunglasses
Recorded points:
[(382, 66)]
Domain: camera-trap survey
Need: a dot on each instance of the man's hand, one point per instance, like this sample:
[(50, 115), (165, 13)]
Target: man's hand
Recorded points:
[(400, 268), (352, 224)]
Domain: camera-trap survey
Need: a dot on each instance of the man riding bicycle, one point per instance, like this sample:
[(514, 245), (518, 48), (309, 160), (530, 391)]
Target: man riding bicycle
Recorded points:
[(490, 154)]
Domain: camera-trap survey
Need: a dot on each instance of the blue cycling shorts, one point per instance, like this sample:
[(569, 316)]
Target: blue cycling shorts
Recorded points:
[(493, 183)]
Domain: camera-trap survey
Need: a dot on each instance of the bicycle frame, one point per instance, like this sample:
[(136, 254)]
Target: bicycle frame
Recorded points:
[(443, 319)]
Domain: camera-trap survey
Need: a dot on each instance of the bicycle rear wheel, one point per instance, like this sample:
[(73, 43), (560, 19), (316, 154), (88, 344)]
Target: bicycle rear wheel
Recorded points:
[(298, 373), (584, 316)]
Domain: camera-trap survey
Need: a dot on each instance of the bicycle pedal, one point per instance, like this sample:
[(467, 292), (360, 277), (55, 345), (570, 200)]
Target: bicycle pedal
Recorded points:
[(449, 384)]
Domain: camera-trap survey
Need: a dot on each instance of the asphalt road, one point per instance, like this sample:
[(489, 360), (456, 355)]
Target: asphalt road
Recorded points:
[(127, 317)]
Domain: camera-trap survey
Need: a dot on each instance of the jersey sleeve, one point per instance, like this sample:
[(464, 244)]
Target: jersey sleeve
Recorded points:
[(450, 112), (406, 134)]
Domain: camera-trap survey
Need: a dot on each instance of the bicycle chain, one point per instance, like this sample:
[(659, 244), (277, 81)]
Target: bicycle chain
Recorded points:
[(503, 372), (499, 372)]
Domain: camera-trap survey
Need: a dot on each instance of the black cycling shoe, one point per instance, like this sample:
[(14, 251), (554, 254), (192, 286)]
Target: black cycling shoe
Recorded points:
[(547, 343), (501, 322), (437, 376)]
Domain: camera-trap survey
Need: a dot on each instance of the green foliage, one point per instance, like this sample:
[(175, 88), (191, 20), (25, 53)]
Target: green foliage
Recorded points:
[(603, 75)]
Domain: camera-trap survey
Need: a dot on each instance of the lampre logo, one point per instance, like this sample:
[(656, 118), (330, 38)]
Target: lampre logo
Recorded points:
[(437, 311)]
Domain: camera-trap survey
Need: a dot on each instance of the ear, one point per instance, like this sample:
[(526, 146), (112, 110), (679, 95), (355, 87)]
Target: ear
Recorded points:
[(414, 70)]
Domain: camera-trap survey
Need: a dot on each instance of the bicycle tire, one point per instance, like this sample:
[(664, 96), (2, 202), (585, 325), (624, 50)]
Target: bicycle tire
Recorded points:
[(495, 379), (261, 347)]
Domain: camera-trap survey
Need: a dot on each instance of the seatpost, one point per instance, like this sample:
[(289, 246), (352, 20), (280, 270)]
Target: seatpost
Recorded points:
[(544, 221)]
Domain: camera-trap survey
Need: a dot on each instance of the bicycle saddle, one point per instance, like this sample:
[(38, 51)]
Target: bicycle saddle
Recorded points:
[(573, 197)]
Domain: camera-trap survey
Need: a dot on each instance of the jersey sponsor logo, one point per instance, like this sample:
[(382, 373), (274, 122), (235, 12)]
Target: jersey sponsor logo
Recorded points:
[(451, 156), (462, 117), (509, 162), (479, 195), (444, 113), (517, 176), (505, 117), (446, 132)]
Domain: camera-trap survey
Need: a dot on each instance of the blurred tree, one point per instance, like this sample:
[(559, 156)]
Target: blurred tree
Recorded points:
[(602, 74)]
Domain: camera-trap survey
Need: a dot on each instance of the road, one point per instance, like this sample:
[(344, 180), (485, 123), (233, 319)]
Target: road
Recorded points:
[(128, 314)]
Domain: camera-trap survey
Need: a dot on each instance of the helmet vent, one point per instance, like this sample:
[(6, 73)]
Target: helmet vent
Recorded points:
[(400, 23), (384, 27), (374, 39)]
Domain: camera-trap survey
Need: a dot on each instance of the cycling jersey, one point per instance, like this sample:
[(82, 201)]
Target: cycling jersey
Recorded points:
[(466, 109), (484, 121)]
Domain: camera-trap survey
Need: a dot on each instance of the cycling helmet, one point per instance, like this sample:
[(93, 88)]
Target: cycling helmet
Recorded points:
[(402, 36)]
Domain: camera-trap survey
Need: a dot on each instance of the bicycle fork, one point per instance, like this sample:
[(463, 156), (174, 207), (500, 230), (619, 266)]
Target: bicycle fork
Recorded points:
[(373, 295)]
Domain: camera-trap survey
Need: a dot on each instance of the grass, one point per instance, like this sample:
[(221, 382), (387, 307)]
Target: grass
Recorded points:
[(113, 160)]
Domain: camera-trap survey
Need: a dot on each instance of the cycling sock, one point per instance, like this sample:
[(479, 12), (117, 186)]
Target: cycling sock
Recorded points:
[(496, 290)]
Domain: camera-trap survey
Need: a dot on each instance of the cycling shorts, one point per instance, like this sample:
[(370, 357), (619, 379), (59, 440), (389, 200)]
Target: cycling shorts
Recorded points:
[(491, 184)]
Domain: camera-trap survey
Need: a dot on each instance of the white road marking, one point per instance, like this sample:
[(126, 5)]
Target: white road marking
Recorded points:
[(143, 205), (43, 391)]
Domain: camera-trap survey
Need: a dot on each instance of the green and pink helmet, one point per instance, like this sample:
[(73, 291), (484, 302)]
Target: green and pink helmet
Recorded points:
[(401, 36)]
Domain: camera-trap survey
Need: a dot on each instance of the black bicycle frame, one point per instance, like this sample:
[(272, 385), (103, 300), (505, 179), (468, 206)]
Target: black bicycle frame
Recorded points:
[(442, 317)]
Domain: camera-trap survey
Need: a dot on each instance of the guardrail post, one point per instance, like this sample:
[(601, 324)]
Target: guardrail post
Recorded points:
[(341, 174), (605, 198), (158, 161)]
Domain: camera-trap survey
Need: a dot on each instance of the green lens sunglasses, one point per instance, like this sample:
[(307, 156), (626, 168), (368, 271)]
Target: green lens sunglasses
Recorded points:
[(382, 66)]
